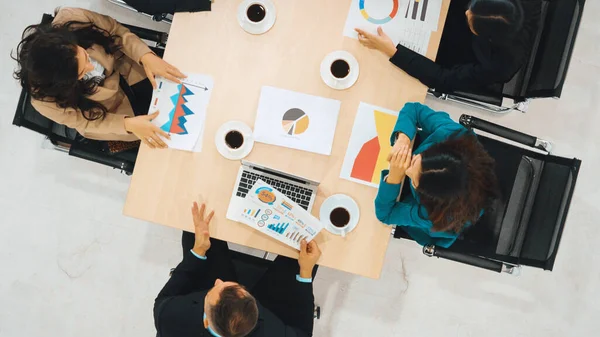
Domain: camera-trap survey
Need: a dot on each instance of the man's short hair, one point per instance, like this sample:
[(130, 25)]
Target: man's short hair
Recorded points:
[(236, 313)]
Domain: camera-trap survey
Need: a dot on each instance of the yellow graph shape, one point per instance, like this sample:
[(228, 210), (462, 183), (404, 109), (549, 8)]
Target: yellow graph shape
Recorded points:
[(301, 125), (384, 123)]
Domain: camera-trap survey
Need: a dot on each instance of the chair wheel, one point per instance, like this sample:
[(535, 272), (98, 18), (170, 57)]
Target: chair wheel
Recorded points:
[(317, 313)]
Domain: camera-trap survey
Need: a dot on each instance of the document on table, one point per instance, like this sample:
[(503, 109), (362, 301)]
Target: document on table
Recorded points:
[(270, 212), (408, 22), (296, 120), (415, 38), (182, 109)]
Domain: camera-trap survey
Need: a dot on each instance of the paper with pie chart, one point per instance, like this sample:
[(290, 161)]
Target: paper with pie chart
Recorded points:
[(182, 108), (407, 22), (369, 145), (296, 120)]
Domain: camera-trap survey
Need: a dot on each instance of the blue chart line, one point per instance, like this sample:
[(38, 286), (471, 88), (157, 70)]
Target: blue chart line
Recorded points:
[(278, 228)]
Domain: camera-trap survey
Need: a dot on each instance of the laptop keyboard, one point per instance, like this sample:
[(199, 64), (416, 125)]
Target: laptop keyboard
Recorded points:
[(299, 195)]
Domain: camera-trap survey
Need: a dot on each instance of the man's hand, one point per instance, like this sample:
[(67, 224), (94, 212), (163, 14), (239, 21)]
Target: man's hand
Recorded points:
[(309, 256), (202, 244), (380, 41)]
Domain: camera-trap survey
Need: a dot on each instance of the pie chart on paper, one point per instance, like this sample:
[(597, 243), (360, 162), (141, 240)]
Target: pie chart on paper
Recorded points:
[(295, 122)]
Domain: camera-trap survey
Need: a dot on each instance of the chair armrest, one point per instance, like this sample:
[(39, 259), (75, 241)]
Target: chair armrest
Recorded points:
[(99, 157), (471, 260), (504, 132), (148, 34)]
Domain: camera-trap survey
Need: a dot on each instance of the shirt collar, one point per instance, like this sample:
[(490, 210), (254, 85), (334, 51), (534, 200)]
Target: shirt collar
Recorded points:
[(212, 332)]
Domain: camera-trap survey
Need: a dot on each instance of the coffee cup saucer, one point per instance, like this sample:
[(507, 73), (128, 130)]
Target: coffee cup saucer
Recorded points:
[(333, 202), (261, 27), (226, 151), (332, 81)]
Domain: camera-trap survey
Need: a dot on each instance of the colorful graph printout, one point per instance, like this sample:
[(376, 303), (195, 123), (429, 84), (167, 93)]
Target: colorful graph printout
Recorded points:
[(407, 22), (182, 108), (295, 120), (381, 21), (276, 219), (369, 145)]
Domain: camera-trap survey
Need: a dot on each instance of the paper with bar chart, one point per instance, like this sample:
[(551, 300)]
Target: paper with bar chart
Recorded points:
[(295, 120), (182, 110), (272, 213), (369, 145), (407, 22)]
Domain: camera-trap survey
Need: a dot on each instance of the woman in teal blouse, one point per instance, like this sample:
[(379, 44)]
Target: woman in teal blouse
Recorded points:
[(450, 175)]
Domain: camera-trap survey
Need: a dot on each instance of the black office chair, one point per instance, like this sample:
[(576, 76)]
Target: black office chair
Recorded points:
[(526, 223), (544, 74), (158, 17), (68, 140)]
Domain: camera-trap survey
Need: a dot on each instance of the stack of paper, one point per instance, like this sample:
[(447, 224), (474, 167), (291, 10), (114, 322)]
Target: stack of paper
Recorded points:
[(182, 109)]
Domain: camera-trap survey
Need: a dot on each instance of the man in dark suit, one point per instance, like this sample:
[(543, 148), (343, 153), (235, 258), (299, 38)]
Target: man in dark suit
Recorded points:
[(202, 297)]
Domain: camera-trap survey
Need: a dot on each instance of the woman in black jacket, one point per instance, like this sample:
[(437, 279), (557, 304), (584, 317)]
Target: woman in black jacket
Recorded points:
[(157, 7), (484, 42)]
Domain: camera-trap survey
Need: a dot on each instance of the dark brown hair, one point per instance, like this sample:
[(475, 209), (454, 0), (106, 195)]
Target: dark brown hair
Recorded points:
[(236, 313), (496, 20), (48, 67), (458, 181)]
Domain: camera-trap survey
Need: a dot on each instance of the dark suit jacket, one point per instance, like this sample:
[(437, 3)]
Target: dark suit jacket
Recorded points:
[(179, 307), (495, 63)]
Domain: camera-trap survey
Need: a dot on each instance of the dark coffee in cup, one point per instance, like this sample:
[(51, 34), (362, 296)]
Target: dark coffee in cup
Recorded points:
[(340, 69), (339, 217), (234, 139), (256, 12)]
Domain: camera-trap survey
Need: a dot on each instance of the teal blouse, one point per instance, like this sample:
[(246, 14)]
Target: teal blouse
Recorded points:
[(436, 127)]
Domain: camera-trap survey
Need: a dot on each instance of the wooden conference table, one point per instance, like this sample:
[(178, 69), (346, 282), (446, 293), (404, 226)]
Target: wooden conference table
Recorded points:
[(166, 182)]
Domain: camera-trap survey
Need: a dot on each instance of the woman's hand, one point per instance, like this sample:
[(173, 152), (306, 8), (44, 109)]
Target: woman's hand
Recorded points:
[(155, 66), (381, 41), (401, 140), (399, 163), (150, 134)]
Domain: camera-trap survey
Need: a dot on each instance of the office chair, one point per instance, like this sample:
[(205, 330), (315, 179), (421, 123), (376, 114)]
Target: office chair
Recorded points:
[(525, 225), (544, 74), (161, 17), (68, 140)]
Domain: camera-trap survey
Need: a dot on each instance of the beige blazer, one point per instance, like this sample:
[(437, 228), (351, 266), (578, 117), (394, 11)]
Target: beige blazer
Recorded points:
[(109, 94)]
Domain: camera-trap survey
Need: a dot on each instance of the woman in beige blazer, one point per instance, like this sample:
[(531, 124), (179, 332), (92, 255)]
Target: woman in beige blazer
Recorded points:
[(72, 69)]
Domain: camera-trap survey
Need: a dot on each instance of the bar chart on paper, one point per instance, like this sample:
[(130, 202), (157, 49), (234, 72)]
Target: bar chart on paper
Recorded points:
[(252, 212), (279, 227), (369, 145), (182, 110)]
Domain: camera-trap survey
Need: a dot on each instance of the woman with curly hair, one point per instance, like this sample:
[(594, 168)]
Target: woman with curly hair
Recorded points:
[(451, 177), (75, 69)]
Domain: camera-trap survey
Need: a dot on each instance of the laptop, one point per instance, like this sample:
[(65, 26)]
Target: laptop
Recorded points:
[(301, 190)]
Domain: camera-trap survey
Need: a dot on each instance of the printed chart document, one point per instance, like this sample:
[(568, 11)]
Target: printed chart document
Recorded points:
[(182, 109), (295, 120), (270, 212), (407, 22), (369, 145)]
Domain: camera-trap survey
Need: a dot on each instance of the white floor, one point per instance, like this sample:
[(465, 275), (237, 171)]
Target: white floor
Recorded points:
[(72, 265)]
